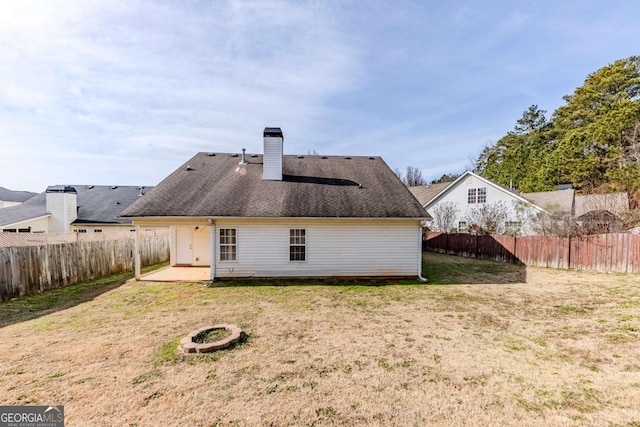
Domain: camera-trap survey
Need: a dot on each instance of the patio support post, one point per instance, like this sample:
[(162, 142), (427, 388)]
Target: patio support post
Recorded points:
[(136, 254), (212, 261)]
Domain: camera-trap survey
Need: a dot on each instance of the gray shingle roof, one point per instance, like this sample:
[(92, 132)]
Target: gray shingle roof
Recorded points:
[(97, 204), (559, 200), (30, 209), (15, 196), (312, 186), (424, 193), (104, 204)]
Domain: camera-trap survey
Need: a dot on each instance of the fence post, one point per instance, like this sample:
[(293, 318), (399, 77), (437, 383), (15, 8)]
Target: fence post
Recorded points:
[(136, 253), (569, 254)]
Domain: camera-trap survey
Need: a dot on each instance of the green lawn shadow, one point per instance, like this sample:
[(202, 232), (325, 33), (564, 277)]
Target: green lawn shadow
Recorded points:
[(30, 307), (441, 269)]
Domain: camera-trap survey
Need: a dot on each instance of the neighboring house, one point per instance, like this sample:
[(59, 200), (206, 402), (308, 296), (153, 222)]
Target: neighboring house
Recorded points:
[(13, 198), (559, 201), (276, 215), (80, 208), (601, 213), (471, 192), (596, 213)]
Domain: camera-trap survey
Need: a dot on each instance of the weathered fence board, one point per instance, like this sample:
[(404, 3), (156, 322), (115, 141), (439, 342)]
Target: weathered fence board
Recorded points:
[(603, 252), (27, 270)]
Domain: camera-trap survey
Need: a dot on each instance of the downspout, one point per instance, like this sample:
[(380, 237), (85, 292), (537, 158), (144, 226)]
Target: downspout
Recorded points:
[(422, 279), (212, 261)]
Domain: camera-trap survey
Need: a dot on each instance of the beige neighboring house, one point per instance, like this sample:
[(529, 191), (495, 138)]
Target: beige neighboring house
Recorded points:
[(10, 198), (69, 208), (276, 215), (598, 213)]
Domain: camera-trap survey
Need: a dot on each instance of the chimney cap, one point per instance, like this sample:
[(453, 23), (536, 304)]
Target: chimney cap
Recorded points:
[(273, 132), (61, 189)]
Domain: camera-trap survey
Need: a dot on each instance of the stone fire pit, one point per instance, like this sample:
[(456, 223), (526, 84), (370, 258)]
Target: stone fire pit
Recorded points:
[(188, 344)]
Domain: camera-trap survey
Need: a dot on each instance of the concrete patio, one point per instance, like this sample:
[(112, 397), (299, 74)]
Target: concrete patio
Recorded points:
[(178, 274)]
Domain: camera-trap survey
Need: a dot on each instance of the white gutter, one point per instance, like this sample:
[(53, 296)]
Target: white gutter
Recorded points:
[(196, 220)]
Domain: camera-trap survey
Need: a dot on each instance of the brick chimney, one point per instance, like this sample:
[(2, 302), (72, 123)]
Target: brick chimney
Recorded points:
[(273, 151)]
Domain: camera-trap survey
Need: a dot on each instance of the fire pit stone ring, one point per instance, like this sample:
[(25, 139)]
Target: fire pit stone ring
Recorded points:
[(188, 345)]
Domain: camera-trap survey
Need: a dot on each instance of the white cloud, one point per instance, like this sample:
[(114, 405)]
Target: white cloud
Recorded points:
[(129, 76)]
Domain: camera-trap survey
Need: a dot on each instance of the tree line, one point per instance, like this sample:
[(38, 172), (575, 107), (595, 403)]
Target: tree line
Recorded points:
[(591, 142)]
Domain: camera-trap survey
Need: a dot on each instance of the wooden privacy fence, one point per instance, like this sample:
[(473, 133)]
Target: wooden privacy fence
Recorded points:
[(602, 252), (27, 270)]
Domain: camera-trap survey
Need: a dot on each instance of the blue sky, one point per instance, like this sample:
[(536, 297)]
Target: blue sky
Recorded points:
[(124, 91)]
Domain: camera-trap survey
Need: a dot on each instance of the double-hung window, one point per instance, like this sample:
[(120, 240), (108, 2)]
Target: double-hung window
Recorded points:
[(228, 244), (297, 244), (471, 195), (482, 195)]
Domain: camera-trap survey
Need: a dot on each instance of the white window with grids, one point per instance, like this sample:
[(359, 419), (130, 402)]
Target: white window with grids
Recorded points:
[(513, 228), (228, 244), (482, 195), (297, 244), (462, 226), (471, 195), (477, 195)]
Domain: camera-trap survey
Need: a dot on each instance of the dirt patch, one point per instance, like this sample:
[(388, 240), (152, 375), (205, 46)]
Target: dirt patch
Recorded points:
[(560, 349)]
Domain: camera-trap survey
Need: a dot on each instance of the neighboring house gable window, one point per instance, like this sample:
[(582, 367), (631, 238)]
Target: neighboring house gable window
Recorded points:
[(82, 230), (471, 195), (297, 244), (228, 245), (462, 226), (482, 195), (98, 230), (477, 195)]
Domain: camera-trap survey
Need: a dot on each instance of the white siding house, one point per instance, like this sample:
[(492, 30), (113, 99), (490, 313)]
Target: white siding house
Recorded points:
[(471, 191), (325, 247), (287, 216)]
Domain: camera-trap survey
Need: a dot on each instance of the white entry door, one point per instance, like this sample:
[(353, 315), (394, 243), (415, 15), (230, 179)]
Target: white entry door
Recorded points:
[(183, 243)]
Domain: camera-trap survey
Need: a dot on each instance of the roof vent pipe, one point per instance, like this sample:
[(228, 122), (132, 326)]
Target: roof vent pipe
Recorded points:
[(243, 162)]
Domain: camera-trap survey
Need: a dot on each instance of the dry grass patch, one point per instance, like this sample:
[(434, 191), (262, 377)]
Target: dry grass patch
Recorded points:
[(560, 349)]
